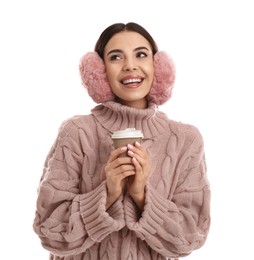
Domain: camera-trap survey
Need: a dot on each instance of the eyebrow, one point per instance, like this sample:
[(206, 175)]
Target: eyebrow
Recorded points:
[(120, 51)]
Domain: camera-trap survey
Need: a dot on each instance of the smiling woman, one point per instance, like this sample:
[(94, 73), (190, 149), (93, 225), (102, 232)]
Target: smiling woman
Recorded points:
[(129, 68), (149, 199)]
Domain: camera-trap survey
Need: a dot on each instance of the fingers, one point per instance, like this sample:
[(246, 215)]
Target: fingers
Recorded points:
[(116, 153), (137, 148), (140, 158), (119, 162), (136, 164), (117, 172), (119, 165), (124, 170), (137, 152)]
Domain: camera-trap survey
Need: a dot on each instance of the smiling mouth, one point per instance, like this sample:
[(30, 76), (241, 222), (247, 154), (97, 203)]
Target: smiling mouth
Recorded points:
[(131, 81)]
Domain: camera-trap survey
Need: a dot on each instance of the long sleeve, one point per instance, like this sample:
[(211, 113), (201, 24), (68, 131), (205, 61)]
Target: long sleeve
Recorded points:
[(67, 221), (178, 224)]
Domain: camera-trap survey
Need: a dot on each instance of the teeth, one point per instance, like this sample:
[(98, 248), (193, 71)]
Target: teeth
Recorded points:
[(131, 81)]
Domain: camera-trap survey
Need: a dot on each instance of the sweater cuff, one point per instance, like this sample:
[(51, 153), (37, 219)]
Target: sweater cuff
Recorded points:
[(98, 222), (152, 216), (116, 209)]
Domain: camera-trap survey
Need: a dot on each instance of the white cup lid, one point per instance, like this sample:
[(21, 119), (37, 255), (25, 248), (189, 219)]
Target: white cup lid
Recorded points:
[(127, 133)]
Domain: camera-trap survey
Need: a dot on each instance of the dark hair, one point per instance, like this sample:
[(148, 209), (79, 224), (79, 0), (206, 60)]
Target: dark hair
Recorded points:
[(113, 29)]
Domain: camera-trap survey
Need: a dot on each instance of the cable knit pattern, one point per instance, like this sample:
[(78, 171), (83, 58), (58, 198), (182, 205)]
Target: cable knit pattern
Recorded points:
[(71, 218)]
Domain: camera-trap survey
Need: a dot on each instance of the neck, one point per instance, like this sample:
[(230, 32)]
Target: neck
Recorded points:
[(140, 104), (115, 116)]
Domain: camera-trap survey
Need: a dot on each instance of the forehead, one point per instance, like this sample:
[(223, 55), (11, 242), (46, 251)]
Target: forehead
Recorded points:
[(126, 39)]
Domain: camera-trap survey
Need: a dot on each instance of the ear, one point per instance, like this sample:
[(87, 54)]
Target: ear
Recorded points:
[(164, 78), (94, 78)]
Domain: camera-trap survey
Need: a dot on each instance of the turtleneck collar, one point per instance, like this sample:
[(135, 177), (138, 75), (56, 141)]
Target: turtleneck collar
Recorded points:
[(114, 116)]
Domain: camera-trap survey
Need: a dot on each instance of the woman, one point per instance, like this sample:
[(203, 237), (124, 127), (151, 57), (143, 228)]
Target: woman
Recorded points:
[(154, 203)]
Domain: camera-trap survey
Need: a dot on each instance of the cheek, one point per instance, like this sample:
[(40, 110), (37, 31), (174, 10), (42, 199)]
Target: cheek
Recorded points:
[(149, 67), (150, 71), (110, 74), (112, 70)]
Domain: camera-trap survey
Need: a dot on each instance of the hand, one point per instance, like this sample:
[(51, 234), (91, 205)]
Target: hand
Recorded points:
[(136, 183), (117, 171)]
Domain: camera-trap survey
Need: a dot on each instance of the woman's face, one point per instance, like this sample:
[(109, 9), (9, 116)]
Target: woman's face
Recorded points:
[(128, 60)]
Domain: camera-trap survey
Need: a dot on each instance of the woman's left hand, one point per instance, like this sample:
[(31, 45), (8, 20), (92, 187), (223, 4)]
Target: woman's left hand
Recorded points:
[(136, 183)]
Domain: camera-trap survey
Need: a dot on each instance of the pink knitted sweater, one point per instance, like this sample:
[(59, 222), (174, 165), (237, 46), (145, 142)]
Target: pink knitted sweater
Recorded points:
[(71, 219)]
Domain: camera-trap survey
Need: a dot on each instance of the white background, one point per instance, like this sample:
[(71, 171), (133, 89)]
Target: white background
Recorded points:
[(211, 43)]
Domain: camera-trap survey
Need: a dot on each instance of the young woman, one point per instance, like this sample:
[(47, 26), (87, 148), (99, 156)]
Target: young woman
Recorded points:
[(152, 204)]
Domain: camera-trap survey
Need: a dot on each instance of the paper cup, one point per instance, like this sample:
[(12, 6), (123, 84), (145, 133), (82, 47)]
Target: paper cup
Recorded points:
[(124, 137)]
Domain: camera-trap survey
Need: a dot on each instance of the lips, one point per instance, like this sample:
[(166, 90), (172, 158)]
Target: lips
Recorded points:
[(131, 81)]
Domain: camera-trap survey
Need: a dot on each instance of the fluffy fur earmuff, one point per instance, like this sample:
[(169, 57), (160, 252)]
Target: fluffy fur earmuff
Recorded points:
[(164, 78), (94, 78)]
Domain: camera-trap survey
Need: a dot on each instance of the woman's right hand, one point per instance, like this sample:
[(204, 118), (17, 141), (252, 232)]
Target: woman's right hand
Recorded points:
[(117, 171)]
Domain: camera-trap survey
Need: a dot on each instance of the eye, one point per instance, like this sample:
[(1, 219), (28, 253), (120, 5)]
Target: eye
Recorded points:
[(141, 55), (115, 57)]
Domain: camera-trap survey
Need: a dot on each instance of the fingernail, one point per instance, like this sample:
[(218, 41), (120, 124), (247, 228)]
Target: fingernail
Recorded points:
[(130, 146), (130, 152), (124, 148), (137, 144)]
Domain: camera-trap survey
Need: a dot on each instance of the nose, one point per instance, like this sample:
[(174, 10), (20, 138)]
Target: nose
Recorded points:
[(129, 64)]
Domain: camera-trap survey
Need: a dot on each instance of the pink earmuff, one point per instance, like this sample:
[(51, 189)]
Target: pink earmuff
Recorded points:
[(94, 78)]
